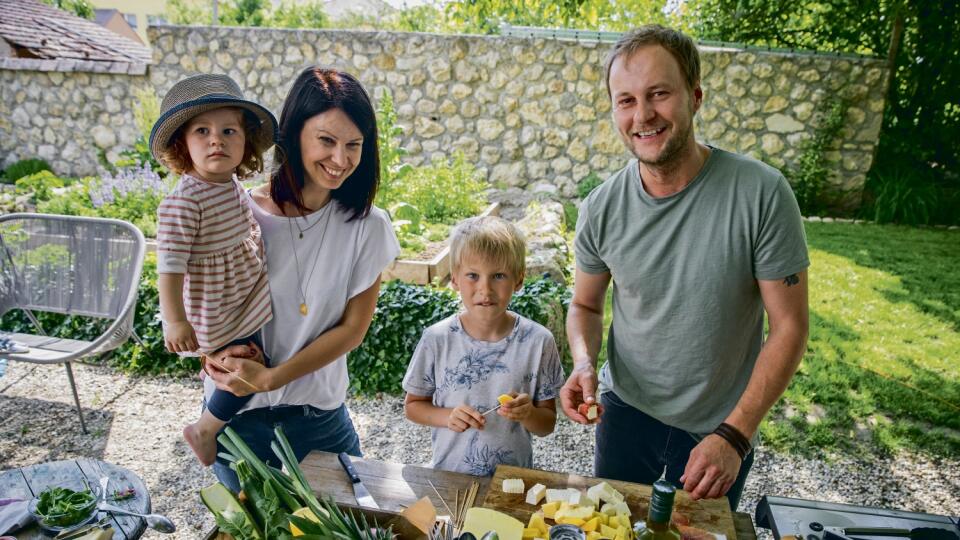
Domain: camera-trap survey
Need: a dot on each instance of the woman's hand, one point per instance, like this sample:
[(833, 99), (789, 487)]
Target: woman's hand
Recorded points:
[(464, 417), (179, 337), (236, 371), (518, 409)]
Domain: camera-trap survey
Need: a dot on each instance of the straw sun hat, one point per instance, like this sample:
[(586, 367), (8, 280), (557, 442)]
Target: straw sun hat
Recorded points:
[(199, 94)]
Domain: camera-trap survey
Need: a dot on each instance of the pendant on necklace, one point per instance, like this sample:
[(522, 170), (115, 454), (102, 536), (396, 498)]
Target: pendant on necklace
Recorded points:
[(303, 309), (301, 235)]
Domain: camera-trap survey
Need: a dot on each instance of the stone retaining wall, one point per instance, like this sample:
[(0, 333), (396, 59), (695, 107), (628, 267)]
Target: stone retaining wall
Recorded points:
[(531, 113)]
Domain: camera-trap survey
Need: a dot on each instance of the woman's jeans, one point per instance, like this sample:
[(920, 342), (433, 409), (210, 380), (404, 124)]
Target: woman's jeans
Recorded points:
[(307, 428), (636, 447)]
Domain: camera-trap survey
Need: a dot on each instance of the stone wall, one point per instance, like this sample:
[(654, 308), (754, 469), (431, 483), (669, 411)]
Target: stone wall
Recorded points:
[(532, 114)]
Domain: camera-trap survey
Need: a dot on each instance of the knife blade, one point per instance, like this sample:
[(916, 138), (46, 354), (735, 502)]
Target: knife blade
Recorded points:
[(363, 496)]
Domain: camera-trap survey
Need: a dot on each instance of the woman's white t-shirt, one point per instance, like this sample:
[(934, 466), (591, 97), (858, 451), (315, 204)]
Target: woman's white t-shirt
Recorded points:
[(337, 261)]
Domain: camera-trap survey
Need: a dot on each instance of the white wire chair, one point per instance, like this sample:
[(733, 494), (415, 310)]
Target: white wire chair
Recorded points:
[(74, 266)]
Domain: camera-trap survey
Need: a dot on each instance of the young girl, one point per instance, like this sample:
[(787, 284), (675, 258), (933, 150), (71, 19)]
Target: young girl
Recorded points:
[(213, 283)]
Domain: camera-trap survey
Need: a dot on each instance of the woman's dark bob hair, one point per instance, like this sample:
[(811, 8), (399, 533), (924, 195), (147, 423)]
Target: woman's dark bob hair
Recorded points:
[(315, 91)]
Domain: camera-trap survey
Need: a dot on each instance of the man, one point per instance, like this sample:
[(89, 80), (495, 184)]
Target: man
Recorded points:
[(698, 242)]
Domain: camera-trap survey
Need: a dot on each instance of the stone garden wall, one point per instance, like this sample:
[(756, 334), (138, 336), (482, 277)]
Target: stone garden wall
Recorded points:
[(533, 114)]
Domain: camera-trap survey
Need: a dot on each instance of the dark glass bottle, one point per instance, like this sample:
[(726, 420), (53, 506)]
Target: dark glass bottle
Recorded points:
[(658, 525)]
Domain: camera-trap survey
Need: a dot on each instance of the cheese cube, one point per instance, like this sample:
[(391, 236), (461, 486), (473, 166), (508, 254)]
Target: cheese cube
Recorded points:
[(612, 509), (550, 509), (504, 398), (570, 521), (578, 512), (557, 495), (592, 412), (530, 534), (512, 485), (607, 531), (591, 524), (593, 535), (575, 496), (536, 494), (537, 522), (624, 520), (604, 492)]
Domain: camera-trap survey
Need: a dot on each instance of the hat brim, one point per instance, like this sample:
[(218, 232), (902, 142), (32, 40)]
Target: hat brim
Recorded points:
[(170, 121)]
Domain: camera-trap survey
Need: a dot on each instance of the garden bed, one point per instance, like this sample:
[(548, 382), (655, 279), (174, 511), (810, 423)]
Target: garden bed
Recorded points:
[(433, 264)]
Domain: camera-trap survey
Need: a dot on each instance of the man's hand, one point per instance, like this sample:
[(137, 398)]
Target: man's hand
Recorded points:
[(711, 469), (179, 337), (581, 387), (464, 417), (518, 409)]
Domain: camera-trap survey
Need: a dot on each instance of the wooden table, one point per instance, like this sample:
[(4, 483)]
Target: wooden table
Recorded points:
[(395, 486), (28, 482)]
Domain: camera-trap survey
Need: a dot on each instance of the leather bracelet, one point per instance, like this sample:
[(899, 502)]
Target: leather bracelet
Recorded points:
[(736, 439)]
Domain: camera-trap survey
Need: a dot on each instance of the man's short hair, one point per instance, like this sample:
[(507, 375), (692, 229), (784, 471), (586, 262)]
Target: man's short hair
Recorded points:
[(678, 44), (490, 238)]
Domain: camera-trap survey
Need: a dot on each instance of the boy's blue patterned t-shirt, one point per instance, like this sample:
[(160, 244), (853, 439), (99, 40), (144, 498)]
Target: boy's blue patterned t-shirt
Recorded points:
[(456, 369)]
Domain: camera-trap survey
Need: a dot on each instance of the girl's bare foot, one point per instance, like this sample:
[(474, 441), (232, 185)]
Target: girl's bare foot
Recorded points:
[(202, 442)]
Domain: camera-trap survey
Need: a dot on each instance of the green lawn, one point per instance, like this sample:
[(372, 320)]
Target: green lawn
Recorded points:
[(882, 370)]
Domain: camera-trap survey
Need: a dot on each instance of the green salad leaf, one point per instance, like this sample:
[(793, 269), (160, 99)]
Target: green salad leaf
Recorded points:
[(63, 507)]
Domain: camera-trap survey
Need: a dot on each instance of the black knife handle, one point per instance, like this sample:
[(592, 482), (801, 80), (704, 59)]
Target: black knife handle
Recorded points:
[(348, 466)]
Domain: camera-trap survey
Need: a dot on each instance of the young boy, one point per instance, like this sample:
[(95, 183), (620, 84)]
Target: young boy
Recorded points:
[(466, 361)]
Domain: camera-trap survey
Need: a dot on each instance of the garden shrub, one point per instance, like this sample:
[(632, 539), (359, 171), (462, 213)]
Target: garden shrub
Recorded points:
[(132, 194), (404, 311), (422, 201), (40, 185), (444, 191), (588, 184), (24, 167), (809, 175), (899, 195)]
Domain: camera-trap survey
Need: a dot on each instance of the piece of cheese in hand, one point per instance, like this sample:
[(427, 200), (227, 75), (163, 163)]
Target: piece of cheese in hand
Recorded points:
[(536, 494), (513, 485), (504, 399)]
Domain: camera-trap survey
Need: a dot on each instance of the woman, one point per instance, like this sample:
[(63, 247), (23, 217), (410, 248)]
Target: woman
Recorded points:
[(326, 245)]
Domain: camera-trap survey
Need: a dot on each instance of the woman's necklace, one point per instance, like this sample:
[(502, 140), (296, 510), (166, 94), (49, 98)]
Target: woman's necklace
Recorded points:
[(308, 227), (296, 258)]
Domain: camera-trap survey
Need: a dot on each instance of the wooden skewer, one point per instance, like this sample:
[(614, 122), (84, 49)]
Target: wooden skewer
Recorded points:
[(441, 498), (223, 368)]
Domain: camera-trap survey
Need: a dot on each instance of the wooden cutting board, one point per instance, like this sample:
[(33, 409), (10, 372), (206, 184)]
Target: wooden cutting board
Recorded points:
[(712, 515)]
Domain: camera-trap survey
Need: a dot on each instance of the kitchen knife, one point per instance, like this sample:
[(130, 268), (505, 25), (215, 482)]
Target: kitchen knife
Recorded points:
[(359, 490)]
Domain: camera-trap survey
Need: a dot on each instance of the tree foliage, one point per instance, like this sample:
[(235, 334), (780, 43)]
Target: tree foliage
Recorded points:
[(80, 8), (921, 124), (285, 14), (486, 16)]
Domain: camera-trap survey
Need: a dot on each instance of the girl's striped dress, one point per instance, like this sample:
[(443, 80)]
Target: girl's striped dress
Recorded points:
[(207, 232)]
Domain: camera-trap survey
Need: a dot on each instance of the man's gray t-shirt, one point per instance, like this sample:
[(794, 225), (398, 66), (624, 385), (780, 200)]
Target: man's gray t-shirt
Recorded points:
[(456, 369), (687, 312)]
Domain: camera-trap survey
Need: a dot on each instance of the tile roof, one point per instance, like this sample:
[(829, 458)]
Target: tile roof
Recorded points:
[(48, 32)]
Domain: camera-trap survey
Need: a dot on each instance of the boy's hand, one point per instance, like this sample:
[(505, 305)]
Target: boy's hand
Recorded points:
[(518, 409), (464, 417), (179, 337)]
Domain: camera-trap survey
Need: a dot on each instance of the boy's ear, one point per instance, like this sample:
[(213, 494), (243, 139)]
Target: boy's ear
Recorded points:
[(453, 281), (519, 282)]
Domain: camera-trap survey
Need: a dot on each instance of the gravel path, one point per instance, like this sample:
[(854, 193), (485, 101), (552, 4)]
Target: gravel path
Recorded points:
[(136, 423)]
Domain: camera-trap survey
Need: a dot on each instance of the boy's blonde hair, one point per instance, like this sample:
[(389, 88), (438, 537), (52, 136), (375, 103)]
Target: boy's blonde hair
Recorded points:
[(491, 238)]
